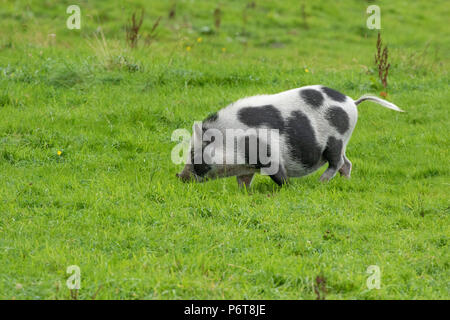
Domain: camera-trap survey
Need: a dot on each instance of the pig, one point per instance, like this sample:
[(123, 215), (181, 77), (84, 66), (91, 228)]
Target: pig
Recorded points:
[(310, 126)]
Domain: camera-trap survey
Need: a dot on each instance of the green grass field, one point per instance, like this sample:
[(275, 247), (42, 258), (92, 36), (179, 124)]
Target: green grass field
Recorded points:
[(86, 176)]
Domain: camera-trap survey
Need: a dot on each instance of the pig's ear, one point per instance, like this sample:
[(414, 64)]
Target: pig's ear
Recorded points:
[(197, 128)]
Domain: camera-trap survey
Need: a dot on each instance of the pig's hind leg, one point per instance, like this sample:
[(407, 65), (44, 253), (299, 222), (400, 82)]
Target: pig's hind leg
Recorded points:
[(334, 155), (346, 168)]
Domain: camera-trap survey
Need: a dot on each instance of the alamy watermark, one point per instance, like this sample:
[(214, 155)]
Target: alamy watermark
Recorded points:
[(74, 281), (228, 147), (74, 20), (374, 280), (374, 20)]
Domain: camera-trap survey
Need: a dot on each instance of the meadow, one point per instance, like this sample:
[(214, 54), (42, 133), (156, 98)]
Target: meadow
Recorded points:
[(86, 176)]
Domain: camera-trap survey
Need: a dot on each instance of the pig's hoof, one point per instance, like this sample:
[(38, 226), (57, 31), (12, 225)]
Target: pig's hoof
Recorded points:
[(325, 178)]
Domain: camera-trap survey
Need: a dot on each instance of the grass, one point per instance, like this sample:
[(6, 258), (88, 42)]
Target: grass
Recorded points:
[(110, 202)]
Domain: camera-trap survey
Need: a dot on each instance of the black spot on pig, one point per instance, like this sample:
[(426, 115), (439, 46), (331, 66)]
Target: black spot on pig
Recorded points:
[(262, 116), (338, 118), (333, 152), (302, 140), (313, 97), (334, 95), (200, 167)]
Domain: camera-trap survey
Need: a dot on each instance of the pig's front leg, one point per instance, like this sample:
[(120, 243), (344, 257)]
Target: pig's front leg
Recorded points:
[(245, 180), (280, 178)]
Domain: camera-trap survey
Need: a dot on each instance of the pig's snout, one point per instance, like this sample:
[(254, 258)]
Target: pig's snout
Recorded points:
[(184, 176), (181, 177)]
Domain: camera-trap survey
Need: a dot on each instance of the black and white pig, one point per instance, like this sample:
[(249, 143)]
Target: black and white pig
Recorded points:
[(313, 125)]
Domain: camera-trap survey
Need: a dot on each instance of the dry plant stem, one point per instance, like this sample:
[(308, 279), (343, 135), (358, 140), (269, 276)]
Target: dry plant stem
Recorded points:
[(132, 31), (151, 37), (381, 61), (217, 18)]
